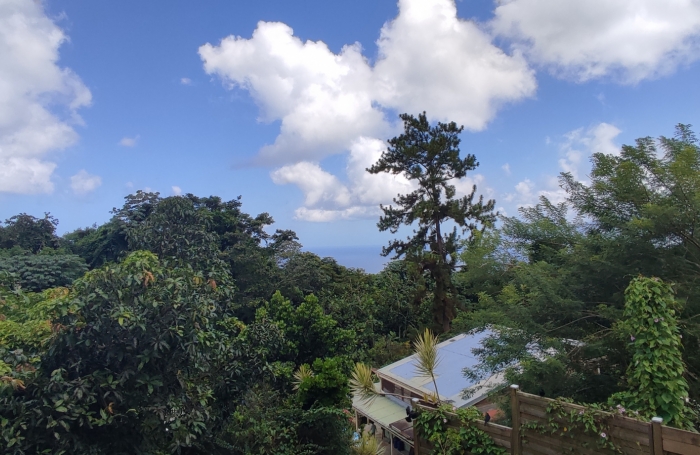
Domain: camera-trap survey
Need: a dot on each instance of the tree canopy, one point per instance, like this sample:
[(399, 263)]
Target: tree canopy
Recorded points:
[(185, 325), (430, 156)]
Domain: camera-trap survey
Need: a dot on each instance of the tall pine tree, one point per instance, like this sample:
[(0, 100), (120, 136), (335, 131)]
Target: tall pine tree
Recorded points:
[(429, 155)]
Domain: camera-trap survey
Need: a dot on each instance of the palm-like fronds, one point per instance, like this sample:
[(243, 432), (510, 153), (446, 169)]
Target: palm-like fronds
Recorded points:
[(303, 372), (427, 354), (361, 383), (368, 445)]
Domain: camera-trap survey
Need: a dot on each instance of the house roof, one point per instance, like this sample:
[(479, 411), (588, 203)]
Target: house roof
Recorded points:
[(454, 356), (380, 409)]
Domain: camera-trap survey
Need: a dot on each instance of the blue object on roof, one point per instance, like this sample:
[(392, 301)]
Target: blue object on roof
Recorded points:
[(454, 356)]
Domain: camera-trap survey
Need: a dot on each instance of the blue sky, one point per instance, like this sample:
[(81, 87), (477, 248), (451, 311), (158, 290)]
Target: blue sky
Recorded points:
[(99, 99)]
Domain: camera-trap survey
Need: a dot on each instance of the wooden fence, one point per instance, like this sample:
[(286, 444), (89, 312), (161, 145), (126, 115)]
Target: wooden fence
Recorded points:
[(631, 436)]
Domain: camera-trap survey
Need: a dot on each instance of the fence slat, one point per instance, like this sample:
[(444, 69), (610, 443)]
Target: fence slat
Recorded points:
[(515, 441), (632, 437)]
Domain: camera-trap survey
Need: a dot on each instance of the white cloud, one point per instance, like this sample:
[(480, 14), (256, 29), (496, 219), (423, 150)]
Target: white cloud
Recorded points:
[(129, 141), (177, 190), (186, 81), (506, 168), (319, 187), (630, 40), (524, 194), (323, 99), (428, 60), (328, 199), (83, 183), (575, 151), (30, 83), (579, 145), (431, 60), (25, 175), (337, 103)]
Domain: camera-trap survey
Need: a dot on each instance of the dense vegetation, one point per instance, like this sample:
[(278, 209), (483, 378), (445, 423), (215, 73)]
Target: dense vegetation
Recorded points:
[(186, 325)]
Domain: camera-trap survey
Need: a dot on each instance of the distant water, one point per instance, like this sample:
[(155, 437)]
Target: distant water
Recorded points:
[(361, 257)]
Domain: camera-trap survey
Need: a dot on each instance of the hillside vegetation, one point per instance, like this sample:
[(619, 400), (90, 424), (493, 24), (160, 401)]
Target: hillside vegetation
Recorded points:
[(185, 325)]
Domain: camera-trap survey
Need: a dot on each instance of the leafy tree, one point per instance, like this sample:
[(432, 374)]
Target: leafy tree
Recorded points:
[(29, 233), (97, 245), (655, 382), (25, 318), (429, 155), (176, 229), (145, 359), (310, 334), (564, 274), (271, 422), (644, 206), (38, 272), (326, 384)]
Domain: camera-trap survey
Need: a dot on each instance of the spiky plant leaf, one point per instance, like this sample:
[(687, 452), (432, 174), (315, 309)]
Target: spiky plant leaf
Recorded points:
[(303, 372), (368, 445), (361, 382), (426, 351)]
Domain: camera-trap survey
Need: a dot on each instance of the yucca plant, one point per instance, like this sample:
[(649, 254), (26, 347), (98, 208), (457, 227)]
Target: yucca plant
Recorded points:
[(368, 445), (362, 383), (427, 353), (303, 372)]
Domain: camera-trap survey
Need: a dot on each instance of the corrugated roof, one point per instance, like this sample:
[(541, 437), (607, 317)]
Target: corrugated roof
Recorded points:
[(455, 355)]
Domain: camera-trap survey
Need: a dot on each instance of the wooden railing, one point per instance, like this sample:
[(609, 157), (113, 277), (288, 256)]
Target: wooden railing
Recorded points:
[(630, 436)]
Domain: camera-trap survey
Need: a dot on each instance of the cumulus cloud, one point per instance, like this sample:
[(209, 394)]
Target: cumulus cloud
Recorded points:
[(630, 40), (33, 88), (329, 199), (177, 190), (329, 103), (575, 151), (25, 175), (83, 183), (580, 144), (323, 99), (129, 141), (429, 59)]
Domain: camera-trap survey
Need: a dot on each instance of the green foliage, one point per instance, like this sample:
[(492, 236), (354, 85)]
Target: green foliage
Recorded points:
[(434, 426), (25, 318), (645, 202), (655, 382), (572, 422), (29, 233), (267, 422), (328, 385), (309, 333), (38, 272), (367, 445), (146, 359), (97, 245), (430, 156), (177, 229)]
